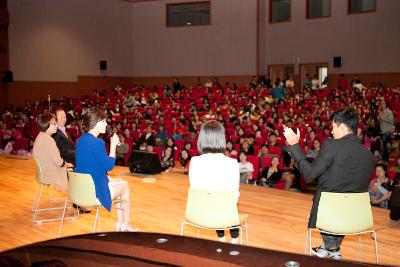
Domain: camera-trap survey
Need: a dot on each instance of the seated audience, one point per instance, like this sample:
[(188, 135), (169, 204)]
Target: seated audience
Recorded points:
[(167, 159), (264, 152), (121, 150), (63, 140), (171, 143), (53, 167), (272, 175), (184, 161), (245, 168), (91, 158), (212, 170), (246, 148), (230, 148), (313, 153), (161, 136), (380, 188), (148, 138)]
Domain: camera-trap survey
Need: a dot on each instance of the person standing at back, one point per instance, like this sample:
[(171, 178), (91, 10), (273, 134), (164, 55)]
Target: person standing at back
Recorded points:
[(212, 170), (63, 140), (343, 165)]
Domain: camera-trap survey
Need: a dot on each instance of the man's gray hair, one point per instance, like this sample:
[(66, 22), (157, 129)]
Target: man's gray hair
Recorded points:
[(211, 138)]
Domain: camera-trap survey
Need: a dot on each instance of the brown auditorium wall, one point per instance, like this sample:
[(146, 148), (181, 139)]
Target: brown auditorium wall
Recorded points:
[(21, 91), (4, 48)]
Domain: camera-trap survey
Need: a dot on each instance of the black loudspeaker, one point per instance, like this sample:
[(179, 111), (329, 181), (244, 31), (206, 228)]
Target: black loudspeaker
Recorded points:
[(337, 62), (144, 162), (8, 76), (103, 64)]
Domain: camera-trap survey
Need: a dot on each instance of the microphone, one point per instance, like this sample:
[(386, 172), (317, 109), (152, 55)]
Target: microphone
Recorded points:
[(110, 132)]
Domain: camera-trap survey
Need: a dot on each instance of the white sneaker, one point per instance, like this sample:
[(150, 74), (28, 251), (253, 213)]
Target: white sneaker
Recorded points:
[(322, 252), (335, 255), (222, 239), (235, 241), (126, 228)]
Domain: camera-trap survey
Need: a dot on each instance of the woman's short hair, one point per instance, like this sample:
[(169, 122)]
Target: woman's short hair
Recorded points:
[(90, 118), (211, 138), (382, 165), (44, 120)]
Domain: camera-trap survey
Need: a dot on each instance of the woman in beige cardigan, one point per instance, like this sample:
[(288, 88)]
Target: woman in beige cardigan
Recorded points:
[(53, 167)]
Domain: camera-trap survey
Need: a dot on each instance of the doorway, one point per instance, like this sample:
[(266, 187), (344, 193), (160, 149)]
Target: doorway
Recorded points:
[(282, 72), (320, 70)]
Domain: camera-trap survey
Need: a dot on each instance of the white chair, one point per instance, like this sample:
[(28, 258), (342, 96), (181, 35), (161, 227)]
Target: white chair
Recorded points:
[(213, 210), (344, 214), (82, 192), (38, 197)]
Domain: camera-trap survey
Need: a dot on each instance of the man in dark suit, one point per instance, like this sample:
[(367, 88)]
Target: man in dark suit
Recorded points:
[(343, 165), (63, 140), (147, 139)]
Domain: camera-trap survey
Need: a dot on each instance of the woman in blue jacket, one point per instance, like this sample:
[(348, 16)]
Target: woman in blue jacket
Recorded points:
[(91, 158)]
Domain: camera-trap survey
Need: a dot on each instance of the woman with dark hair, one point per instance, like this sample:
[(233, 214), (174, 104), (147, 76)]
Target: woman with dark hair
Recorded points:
[(53, 167), (380, 188), (246, 168), (212, 170), (230, 148), (273, 175), (184, 161), (171, 143), (188, 146), (91, 158), (167, 159), (313, 153)]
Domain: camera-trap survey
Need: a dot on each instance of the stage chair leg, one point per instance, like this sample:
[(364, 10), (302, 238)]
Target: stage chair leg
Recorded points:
[(35, 198), (38, 202), (241, 235), (62, 218), (95, 221), (306, 246), (376, 247), (359, 247), (247, 234), (310, 241), (182, 226)]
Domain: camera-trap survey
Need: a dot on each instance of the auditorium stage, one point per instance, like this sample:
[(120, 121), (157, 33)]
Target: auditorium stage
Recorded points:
[(277, 219)]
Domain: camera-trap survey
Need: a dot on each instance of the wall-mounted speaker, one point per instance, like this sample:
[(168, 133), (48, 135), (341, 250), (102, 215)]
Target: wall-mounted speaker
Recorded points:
[(103, 64), (8, 76), (337, 62)]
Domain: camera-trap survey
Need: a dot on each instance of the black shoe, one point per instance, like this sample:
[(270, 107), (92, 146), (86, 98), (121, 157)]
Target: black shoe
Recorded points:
[(81, 210)]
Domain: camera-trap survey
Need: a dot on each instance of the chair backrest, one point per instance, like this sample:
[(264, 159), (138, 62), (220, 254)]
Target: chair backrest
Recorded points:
[(212, 209), (81, 190), (38, 171), (344, 212)]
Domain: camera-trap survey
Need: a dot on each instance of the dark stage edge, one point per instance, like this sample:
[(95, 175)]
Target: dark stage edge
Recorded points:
[(153, 249)]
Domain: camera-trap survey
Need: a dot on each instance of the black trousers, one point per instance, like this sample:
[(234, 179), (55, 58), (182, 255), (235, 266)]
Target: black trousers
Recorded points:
[(394, 204), (234, 233)]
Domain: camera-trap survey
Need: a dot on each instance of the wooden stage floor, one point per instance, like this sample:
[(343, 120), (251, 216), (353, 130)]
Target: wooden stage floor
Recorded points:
[(277, 219)]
